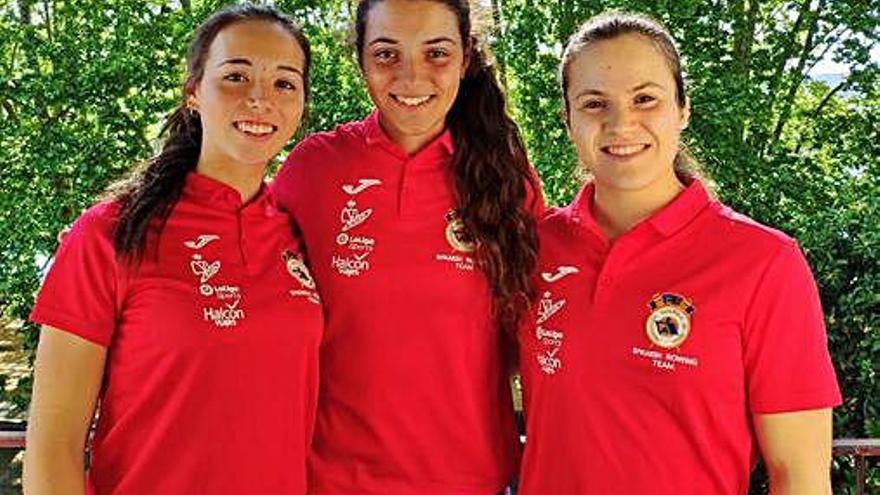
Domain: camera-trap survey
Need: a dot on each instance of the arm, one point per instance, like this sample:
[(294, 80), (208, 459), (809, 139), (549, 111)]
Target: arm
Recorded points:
[(796, 447), (67, 379)]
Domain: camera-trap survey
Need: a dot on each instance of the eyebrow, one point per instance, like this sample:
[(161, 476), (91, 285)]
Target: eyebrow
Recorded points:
[(244, 61), (440, 39), (596, 92)]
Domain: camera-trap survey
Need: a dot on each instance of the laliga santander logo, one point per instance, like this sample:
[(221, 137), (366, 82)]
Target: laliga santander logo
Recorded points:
[(669, 323)]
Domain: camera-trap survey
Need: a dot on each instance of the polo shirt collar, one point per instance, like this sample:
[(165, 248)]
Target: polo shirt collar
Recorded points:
[(215, 194), (667, 221), (376, 136)]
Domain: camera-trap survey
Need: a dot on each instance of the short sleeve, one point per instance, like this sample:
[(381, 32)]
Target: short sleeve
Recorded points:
[(788, 367), (80, 292)]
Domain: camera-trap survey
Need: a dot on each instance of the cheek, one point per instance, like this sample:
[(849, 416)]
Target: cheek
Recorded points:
[(293, 108), (666, 126), (451, 82), (376, 79), (583, 133)]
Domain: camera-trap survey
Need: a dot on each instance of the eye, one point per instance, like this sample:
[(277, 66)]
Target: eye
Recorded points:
[(235, 77), (592, 105), (437, 53), (645, 99), (285, 85), (385, 55)]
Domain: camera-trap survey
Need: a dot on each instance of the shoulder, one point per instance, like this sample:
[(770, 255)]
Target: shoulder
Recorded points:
[(99, 221), (747, 232), (343, 138), (320, 153), (557, 220)]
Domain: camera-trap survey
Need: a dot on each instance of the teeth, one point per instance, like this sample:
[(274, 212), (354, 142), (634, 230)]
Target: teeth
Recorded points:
[(412, 102), (254, 128), (625, 150)]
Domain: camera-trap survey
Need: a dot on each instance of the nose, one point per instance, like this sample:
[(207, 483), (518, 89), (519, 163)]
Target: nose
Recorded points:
[(620, 117), (409, 70), (257, 96)]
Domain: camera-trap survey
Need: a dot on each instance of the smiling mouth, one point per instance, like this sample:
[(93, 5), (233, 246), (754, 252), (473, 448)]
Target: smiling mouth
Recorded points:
[(412, 101), (624, 150), (254, 128)]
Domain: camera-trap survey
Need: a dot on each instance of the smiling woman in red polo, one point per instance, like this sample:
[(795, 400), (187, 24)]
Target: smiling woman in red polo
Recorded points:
[(182, 304), (674, 338), (417, 222)]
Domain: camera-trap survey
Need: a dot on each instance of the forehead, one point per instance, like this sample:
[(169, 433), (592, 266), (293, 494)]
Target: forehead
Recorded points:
[(404, 20), (618, 64), (257, 41)]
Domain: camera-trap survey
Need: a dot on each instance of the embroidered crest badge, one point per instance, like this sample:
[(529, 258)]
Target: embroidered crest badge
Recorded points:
[(669, 323), (298, 270), (457, 234)]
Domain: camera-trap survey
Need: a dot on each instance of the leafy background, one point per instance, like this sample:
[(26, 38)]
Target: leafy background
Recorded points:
[(84, 85)]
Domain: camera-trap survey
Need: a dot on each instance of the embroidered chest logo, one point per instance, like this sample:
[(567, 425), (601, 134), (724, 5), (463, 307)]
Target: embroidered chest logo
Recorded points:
[(297, 269), (550, 340), (457, 234), (228, 312), (351, 217), (461, 240), (201, 241), (669, 323), (559, 274), (668, 326), (351, 256), (361, 186)]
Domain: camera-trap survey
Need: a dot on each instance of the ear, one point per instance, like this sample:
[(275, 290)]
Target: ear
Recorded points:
[(192, 96), (685, 114)]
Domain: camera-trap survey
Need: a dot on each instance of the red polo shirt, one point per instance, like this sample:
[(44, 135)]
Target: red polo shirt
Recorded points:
[(649, 356), (211, 377), (415, 397)]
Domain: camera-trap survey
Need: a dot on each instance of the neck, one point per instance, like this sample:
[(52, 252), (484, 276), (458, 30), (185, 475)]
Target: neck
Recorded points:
[(410, 143), (246, 179), (619, 210)]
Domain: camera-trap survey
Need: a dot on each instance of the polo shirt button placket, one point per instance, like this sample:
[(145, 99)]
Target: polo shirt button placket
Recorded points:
[(603, 287)]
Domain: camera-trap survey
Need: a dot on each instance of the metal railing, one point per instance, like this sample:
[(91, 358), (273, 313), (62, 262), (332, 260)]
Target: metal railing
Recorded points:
[(12, 438)]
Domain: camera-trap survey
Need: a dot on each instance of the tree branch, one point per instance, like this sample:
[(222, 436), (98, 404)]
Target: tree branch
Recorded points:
[(787, 52), (798, 76), (498, 27)]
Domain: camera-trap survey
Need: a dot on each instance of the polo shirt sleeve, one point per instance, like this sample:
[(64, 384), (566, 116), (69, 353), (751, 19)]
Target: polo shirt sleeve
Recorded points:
[(787, 364), (79, 294)]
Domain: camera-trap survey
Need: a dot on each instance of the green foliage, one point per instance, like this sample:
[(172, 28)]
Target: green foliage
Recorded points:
[(85, 85)]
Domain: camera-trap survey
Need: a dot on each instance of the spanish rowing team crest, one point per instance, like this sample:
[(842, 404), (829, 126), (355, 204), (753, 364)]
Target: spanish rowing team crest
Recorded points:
[(457, 234), (669, 323), (297, 269)]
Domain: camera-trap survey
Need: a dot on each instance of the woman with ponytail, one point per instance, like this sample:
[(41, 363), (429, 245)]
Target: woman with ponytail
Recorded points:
[(675, 339), (419, 224), (419, 221), (181, 303)]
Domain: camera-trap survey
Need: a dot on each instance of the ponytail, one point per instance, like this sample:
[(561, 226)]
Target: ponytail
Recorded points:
[(491, 174), (493, 181), (150, 192), (155, 187)]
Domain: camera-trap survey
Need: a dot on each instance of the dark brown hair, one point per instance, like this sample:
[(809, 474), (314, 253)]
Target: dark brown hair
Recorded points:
[(153, 188), (610, 25), (491, 172)]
